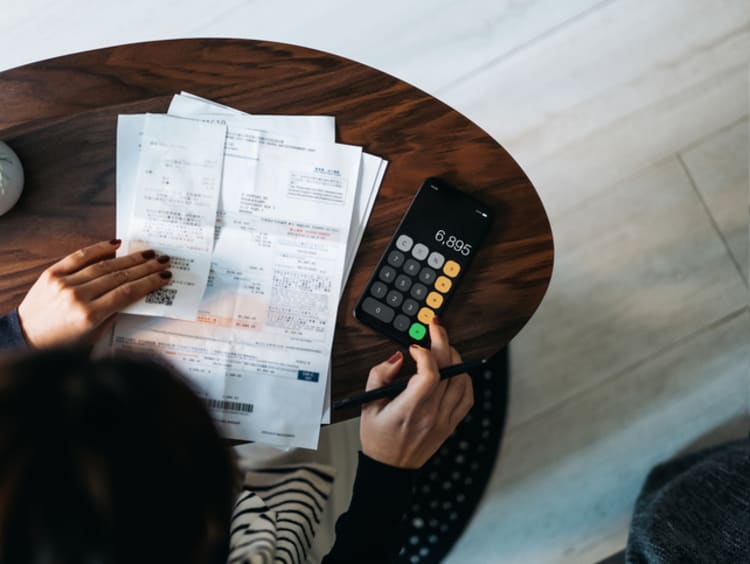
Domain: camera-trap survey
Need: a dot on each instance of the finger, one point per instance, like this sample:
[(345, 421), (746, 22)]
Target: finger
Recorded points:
[(459, 398), (121, 297), (423, 386), (103, 284), (440, 346), (380, 375), (107, 266), (84, 257)]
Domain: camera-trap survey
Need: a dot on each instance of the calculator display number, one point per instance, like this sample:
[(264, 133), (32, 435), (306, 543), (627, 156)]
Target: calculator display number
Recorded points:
[(423, 263)]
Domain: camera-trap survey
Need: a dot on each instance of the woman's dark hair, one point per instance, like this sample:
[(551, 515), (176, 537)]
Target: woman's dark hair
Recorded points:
[(108, 461)]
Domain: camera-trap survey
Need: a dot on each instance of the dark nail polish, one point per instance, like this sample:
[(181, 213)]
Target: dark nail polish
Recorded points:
[(166, 275), (115, 242), (164, 259), (148, 254), (436, 319), (394, 357)]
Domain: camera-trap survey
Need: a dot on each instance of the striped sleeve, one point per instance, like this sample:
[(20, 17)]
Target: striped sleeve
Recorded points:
[(277, 515)]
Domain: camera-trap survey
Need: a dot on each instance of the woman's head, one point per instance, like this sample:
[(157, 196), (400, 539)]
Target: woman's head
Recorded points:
[(108, 461)]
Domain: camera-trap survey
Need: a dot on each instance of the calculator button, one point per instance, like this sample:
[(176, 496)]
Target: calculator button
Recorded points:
[(425, 315), (401, 322), (452, 268), (404, 243), (403, 282), (443, 284), (418, 291), (420, 251), (387, 274), (435, 260), (378, 310), (427, 275), (394, 298), (410, 307), (417, 331), (395, 258), (434, 300), (378, 289), (411, 267)]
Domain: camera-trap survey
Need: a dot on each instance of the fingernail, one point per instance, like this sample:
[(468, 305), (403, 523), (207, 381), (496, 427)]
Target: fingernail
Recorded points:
[(436, 320), (394, 357), (115, 242), (164, 259), (166, 275), (148, 254), (415, 346)]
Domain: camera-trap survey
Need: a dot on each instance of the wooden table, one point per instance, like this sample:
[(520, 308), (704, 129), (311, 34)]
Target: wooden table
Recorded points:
[(60, 117)]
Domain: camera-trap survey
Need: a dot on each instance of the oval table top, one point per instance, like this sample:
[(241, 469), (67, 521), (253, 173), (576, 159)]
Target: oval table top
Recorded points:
[(60, 116)]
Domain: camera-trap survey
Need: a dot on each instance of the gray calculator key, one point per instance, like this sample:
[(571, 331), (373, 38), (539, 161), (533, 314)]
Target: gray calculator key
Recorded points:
[(401, 322), (420, 251), (378, 310), (378, 289), (427, 275), (404, 243), (411, 267), (395, 258), (418, 291), (403, 282), (436, 260), (394, 298), (387, 274), (410, 307)]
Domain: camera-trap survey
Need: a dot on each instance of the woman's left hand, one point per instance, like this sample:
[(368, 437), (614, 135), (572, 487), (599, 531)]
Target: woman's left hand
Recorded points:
[(75, 296)]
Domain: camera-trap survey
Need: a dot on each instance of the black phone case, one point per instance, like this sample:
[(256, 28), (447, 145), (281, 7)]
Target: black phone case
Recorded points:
[(423, 229)]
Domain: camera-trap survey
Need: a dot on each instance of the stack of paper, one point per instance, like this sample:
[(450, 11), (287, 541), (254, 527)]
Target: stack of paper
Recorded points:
[(262, 216)]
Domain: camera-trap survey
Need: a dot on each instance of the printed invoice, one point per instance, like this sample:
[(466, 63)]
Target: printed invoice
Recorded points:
[(260, 353)]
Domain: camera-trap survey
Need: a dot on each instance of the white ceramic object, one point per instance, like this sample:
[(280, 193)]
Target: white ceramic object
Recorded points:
[(11, 178)]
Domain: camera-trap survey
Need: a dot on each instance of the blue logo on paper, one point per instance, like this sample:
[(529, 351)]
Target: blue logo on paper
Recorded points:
[(307, 376)]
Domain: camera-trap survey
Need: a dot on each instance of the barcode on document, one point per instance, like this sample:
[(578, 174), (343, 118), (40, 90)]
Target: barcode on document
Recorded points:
[(230, 405), (162, 296)]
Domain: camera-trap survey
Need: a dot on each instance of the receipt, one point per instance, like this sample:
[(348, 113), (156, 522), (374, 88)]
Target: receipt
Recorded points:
[(174, 201), (259, 353)]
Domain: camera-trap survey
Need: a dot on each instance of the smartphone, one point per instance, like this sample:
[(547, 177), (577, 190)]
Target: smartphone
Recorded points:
[(424, 262)]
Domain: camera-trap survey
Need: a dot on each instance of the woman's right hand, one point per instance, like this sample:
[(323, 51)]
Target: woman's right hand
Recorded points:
[(407, 430), (76, 295)]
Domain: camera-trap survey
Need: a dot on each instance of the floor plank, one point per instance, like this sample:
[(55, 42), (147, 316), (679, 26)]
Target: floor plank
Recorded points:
[(719, 168), (566, 481), (637, 269)]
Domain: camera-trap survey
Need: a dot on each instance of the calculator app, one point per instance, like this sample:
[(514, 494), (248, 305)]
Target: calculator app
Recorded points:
[(424, 261)]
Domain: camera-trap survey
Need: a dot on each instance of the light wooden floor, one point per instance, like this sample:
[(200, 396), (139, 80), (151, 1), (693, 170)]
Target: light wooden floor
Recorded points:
[(631, 118)]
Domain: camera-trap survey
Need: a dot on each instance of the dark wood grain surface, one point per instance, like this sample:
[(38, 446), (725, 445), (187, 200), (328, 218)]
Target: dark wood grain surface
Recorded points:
[(60, 117)]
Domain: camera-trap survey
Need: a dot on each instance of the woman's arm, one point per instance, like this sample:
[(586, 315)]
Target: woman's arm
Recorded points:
[(74, 297), (398, 437), (11, 334)]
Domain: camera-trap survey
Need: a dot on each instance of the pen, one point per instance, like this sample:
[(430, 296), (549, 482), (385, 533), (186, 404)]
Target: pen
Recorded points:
[(392, 390)]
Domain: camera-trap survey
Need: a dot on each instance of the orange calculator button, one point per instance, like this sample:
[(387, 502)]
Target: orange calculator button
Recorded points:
[(434, 300), (443, 284), (452, 268), (425, 315)]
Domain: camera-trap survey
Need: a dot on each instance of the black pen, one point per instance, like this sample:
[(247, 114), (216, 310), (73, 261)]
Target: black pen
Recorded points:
[(392, 390)]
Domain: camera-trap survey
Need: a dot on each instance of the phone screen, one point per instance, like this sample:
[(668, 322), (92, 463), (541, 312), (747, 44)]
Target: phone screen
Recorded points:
[(423, 263)]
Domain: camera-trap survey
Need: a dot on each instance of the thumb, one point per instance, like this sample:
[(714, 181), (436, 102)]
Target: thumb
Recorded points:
[(380, 375), (383, 373)]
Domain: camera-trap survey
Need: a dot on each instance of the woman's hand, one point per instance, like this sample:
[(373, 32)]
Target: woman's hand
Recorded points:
[(73, 297), (406, 431)]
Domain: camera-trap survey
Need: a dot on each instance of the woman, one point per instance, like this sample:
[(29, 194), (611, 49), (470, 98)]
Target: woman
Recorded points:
[(117, 461)]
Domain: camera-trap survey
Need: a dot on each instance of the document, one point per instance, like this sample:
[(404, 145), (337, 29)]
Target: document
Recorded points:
[(308, 127), (174, 203), (260, 351)]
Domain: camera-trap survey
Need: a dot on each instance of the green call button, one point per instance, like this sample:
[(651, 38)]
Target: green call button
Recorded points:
[(417, 331)]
